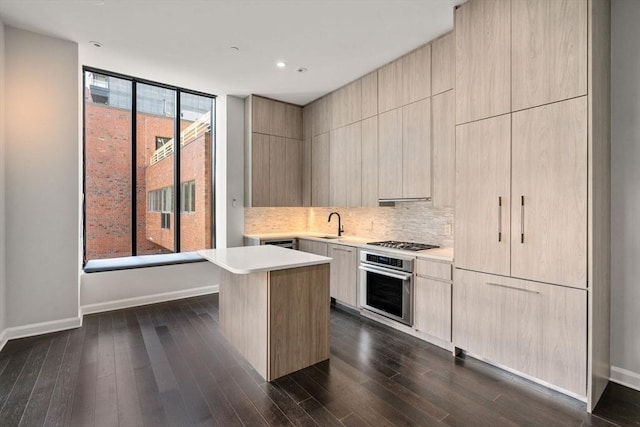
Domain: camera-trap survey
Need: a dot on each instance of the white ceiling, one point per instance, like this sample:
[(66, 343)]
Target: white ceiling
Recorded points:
[(336, 40)]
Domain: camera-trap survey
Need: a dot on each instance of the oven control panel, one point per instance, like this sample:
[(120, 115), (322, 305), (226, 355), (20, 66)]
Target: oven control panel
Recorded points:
[(383, 260)]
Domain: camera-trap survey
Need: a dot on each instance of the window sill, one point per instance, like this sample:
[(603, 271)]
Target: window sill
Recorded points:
[(140, 261)]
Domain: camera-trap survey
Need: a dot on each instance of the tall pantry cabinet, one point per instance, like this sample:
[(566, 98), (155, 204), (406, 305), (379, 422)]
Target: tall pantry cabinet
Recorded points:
[(531, 286)]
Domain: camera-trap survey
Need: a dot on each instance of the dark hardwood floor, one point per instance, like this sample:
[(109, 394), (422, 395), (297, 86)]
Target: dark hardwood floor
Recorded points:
[(167, 364)]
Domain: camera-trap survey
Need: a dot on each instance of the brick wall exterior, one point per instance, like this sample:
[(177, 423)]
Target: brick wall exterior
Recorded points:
[(108, 185)]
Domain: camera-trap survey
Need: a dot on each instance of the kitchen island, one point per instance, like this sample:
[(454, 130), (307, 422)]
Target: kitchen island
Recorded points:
[(274, 306)]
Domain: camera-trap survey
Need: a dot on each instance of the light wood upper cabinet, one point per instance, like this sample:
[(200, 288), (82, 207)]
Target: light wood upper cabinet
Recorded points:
[(344, 273), (483, 177), (370, 162), (306, 172), (285, 171), (443, 134), (369, 95), (405, 80), (416, 149), (390, 154), (390, 86), (549, 170), (416, 75), (443, 64), (483, 60), (260, 170), (534, 328), (321, 121), (549, 51), (320, 172), (345, 165), (346, 107), (260, 114), (293, 121), (274, 153)]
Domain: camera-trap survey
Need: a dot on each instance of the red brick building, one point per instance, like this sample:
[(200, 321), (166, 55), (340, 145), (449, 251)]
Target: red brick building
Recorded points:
[(108, 196)]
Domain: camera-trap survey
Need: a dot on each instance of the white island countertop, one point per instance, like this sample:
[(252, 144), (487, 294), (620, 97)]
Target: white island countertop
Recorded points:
[(253, 259)]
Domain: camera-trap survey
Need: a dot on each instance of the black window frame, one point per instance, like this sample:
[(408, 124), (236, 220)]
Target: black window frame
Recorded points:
[(176, 196)]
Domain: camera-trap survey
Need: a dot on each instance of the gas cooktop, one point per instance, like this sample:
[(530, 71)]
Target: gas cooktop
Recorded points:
[(406, 246)]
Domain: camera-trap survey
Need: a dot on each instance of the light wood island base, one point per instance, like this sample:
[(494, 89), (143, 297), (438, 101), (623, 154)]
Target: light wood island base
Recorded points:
[(278, 320)]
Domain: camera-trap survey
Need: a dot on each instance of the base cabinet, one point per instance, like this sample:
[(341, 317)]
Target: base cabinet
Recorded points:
[(537, 329), (344, 273), (432, 299)]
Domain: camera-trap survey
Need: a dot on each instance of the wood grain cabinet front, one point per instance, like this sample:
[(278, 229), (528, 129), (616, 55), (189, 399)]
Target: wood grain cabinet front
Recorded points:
[(432, 298), (344, 273), (534, 328)]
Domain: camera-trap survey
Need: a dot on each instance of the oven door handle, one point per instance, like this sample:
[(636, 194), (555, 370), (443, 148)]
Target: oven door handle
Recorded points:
[(386, 272)]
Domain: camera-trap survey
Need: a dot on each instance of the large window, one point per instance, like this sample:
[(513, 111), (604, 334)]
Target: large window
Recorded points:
[(148, 167)]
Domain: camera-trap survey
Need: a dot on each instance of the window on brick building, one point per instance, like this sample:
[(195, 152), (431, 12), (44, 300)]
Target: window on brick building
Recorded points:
[(188, 197), (140, 140)]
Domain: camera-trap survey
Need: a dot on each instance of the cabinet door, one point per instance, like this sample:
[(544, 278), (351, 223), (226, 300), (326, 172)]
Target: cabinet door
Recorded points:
[(345, 165), (443, 140), (347, 105), (390, 86), (369, 95), (306, 172), (549, 173), (483, 177), (278, 118), (483, 61), (549, 51), (370, 162), (320, 170), (260, 160), (293, 121), (260, 115), (416, 75), (416, 149), (312, 246), (442, 64), (534, 328), (390, 154), (432, 307), (321, 116), (344, 272), (285, 171)]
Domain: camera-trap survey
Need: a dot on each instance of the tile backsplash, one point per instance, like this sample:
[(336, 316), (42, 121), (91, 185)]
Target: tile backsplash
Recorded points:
[(409, 221)]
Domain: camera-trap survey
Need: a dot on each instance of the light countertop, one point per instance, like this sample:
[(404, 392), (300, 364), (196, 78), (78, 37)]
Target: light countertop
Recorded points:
[(440, 254), (253, 259)]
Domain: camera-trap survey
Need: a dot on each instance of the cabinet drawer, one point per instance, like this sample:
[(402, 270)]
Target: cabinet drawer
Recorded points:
[(534, 328), (434, 269)]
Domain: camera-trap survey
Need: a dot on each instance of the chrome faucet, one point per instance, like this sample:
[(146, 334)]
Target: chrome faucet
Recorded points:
[(340, 229)]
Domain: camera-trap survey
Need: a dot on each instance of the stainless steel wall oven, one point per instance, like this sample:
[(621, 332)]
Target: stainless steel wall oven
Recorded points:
[(386, 285)]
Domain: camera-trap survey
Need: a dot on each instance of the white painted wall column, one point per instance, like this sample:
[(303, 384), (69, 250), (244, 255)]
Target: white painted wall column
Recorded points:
[(3, 190), (41, 182), (625, 192)]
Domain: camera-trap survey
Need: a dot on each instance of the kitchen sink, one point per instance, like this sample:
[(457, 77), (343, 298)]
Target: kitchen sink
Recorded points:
[(329, 237)]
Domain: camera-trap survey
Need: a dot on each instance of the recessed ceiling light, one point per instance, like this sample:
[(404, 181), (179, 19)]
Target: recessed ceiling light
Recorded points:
[(95, 43), (281, 64), (301, 70), (236, 48)]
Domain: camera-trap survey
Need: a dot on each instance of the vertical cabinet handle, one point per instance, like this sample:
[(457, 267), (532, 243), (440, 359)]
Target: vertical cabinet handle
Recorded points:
[(521, 219), (499, 218)]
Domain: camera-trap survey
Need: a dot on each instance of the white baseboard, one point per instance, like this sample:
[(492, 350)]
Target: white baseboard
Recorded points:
[(39, 329), (147, 299), (626, 378), (3, 340)]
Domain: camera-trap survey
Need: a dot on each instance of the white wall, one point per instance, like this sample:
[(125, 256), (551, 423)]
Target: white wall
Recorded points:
[(235, 171), (126, 288), (41, 178), (3, 190), (625, 191)]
